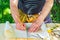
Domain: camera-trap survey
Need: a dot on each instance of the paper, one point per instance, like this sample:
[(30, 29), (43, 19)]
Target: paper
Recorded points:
[(43, 34), (9, 31), (24, 34)]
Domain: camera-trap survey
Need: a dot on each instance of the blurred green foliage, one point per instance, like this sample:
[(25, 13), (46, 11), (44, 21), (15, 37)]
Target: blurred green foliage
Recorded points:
[(5, 14), (55, 12)]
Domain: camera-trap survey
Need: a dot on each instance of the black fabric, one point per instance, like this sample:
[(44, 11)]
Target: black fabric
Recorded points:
[(31, 6)]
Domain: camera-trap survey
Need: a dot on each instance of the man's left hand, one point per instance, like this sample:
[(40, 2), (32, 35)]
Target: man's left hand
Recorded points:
[(35, 26)]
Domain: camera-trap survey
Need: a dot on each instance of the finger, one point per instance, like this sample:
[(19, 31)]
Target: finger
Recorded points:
[(31, 29), (24, 25), (36, 29), (19, 27)]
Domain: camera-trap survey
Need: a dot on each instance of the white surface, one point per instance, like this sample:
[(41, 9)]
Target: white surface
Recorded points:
[(23, 34)]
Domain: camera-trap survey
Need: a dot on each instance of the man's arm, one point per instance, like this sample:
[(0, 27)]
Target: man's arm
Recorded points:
[(16, 15), (14, 8), (45, 11)]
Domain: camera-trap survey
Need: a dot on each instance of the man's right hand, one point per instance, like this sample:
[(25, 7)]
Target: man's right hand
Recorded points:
[(21, 26), (15, 14)]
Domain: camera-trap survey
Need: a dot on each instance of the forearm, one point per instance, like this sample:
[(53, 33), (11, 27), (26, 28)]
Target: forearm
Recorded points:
[(46, 9), (15, 13)]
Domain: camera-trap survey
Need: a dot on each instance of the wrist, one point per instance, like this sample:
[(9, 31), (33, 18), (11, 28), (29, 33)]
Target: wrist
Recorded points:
[(39, 21), (40, 18)]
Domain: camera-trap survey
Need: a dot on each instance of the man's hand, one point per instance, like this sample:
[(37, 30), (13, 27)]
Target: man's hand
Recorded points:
[(16, 16), (21, 26), (35, 26)]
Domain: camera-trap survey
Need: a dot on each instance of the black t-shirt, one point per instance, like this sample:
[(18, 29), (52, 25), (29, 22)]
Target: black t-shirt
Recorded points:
[(31, 6)]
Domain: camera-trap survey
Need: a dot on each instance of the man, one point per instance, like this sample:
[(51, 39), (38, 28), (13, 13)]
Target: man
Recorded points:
[(41, 8)]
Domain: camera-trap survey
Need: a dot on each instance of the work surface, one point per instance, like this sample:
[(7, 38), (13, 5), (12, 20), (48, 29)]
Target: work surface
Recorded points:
[(49, 25)]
